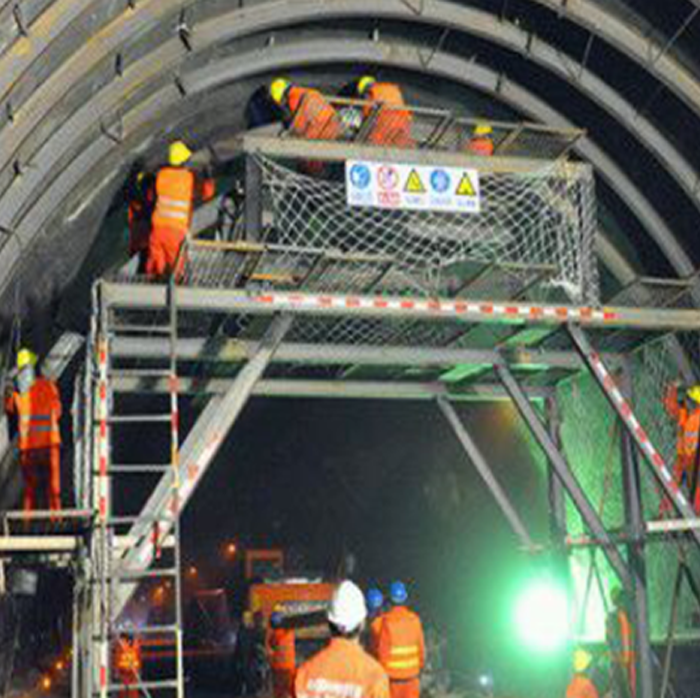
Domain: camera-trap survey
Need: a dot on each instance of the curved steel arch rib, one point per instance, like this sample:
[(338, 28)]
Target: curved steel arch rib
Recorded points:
[(211, 32), (104, 154)]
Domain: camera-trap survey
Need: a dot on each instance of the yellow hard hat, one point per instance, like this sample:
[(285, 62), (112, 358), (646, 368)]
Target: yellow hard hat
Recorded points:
[(26, 357), (365, 84), (483, 130), (694, 393), (582, 661), (278, 90), (179, 154)]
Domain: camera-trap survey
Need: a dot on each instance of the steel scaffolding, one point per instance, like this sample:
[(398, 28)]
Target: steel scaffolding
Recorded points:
[(251, 317)]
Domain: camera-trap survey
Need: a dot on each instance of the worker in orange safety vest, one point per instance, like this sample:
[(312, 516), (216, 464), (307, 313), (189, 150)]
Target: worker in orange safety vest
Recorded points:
[(36, 403), (282, 656), (390, 125), (343, 669), (307, 113), (178, 188), (402, 645), (621, 645), (481, 143), (582, 686), (128, 665), (685, 412)]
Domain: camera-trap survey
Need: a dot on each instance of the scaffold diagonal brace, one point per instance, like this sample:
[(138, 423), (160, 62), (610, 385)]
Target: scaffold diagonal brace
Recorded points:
[(589, 515), (623, 408), (479, 461)]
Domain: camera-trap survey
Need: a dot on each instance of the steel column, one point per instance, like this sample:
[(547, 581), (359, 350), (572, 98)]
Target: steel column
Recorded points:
[(479, 461), (566, 476), (624, 410), (253, 199)]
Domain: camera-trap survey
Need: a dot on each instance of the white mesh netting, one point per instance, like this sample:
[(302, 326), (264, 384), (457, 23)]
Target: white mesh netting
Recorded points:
[(542, 219)]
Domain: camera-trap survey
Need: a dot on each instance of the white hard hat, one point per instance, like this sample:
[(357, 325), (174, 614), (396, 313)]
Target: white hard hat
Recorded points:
[(348, 609)]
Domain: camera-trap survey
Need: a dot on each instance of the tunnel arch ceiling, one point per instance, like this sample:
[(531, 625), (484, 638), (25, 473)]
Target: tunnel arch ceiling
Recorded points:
[(87, 85)]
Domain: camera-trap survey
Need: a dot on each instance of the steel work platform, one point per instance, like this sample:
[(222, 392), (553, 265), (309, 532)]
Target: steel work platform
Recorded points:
[(305, 297)]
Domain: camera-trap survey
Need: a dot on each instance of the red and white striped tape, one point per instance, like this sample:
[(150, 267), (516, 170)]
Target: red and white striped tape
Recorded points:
[(641, 437), (103, 440), (437, 307)]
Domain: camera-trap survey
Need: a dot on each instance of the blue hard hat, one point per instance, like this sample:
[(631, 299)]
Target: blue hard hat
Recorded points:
[(398, 593), (375, 599), (276, 620)]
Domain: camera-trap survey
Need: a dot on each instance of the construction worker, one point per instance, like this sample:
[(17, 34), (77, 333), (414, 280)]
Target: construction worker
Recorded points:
[(142, 199), (685, 412), (620, 639), (375, 608), (281, 653), (36, 403), (128, 665), (307, 113), (390, 125), (178, 189), (402, 645), (582, 685), (481, 143), (343, 669)]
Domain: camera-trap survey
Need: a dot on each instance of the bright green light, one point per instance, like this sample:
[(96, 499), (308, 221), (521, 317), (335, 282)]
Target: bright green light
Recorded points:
[(542, 616)]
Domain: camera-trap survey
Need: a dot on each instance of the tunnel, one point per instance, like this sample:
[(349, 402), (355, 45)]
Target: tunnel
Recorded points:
[(94, 91)]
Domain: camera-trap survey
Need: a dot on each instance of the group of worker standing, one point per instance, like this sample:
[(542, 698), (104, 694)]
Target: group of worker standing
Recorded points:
[(373, 653)]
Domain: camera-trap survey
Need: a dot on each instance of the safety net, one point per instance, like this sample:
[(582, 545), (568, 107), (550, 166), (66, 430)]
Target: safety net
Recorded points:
[(534, 219), (591, 439)]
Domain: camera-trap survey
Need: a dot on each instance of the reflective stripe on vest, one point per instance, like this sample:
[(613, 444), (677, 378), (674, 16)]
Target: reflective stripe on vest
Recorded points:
[(178, 209), (403, 658)]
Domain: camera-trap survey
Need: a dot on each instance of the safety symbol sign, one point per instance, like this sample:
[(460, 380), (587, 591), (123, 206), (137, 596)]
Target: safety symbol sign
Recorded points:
[(412, 187)]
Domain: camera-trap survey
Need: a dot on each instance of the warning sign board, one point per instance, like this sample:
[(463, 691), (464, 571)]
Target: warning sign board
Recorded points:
[(412, 187)]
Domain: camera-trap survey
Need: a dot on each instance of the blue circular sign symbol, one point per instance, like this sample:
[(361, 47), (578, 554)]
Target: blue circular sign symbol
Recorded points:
[(360, 176), (441, 181)]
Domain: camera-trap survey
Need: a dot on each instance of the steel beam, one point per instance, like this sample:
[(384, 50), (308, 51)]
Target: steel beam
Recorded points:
[(150, 297), (340, 152), (588, 513), (229, 350), (332, 389), (198, 454), (477, 458), (622, 407)]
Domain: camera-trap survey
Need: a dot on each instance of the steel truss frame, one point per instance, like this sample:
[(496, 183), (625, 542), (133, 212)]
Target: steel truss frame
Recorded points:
[(576, 321)]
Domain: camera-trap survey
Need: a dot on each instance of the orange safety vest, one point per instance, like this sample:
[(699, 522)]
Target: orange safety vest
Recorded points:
[(482, 146), (175, 193), (281, 650), (402, 644), (688, 425), (38, 415), (128, 657), (313, 117), (342, 670), (391, 126), (582, 687)]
